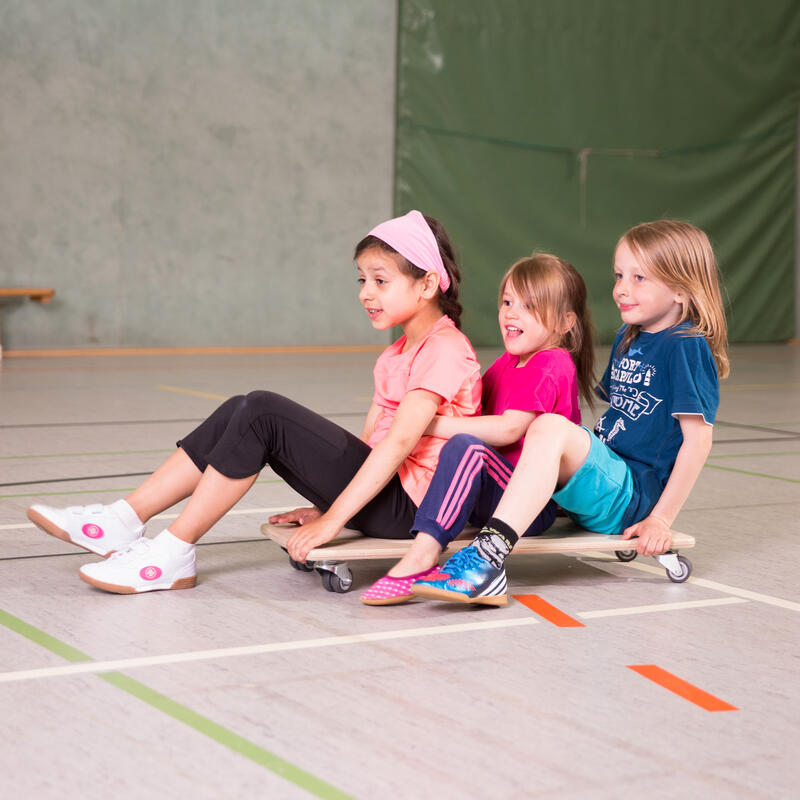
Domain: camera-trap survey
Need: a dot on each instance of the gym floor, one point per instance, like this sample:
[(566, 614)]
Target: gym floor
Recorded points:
[(258, 683)]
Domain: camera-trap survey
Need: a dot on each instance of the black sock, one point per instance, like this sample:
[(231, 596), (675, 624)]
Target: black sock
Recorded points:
[(495, 541)]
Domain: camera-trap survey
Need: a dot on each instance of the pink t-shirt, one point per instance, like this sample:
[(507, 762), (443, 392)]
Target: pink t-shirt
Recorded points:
[(548, 383), (442, 362)]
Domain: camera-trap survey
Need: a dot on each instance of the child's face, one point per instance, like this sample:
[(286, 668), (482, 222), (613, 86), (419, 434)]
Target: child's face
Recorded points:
[(390, 297), (642, 300), (522, 330)]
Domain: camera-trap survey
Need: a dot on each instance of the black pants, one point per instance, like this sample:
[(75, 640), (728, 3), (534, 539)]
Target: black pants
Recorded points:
[(316, 457)]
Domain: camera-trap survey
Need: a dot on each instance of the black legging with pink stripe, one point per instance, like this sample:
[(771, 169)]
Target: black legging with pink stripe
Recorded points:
[(466, 488)]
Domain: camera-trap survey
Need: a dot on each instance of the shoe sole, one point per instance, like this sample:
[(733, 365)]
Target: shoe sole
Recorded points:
[(389, 601), (181, 583), (429, 593), (44, 524)]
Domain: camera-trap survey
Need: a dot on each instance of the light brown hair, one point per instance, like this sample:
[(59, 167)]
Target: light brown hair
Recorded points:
[(550, 288), (680, 256)]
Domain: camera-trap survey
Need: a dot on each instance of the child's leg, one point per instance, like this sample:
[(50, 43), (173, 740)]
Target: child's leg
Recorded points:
[(213, 497), (105, 529), (178, 477), (554, 450), (315, 456), (172, 482), (470, 475)]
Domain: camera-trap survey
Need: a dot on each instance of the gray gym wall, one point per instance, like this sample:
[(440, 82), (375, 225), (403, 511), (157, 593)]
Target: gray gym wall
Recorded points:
[(192, 172)]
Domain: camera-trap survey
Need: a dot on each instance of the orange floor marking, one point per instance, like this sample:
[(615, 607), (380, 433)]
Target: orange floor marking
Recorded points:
[(682, 688), (550, 613)]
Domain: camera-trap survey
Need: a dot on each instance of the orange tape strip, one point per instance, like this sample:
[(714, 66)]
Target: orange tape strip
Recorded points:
[(682, 688), (550, 613)]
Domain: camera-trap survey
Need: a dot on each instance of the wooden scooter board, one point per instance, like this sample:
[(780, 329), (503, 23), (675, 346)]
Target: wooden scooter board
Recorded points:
[(563, 537)]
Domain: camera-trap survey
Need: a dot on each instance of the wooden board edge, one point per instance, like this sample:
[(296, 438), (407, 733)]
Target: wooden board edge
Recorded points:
[(354, 546)]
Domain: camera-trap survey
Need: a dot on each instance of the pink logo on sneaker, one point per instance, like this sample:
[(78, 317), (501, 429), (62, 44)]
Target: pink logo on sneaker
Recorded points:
[(461, 585), (92, 531), (150, 573)]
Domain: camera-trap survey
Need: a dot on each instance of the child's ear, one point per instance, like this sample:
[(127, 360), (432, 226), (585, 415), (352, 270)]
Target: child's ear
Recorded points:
[(430, 285), (568, 322)]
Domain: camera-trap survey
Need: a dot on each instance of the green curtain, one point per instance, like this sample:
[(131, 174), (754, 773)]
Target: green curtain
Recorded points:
[(556, 125)]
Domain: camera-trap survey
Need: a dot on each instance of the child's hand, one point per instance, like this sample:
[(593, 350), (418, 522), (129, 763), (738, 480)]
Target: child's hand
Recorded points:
[(654, 536), (300, 516), (309, 535)]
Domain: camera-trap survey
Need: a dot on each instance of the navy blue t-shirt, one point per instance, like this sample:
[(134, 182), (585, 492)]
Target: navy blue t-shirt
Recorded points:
[(662, 374)]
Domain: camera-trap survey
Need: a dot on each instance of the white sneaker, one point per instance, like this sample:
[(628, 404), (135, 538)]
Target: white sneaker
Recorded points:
[(146, 566), (97, 528)]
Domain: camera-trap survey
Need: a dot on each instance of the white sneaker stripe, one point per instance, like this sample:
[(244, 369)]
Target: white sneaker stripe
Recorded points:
[(497, 586)]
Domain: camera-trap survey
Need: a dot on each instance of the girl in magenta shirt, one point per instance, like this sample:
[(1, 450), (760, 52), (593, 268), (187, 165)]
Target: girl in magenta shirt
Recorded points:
[(548, 362)]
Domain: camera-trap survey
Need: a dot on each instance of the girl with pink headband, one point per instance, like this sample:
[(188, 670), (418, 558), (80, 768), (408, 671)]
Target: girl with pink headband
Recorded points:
[(375, 482)]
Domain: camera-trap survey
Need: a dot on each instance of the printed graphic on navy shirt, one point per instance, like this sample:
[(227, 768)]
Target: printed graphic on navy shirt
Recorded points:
[(661, 375)]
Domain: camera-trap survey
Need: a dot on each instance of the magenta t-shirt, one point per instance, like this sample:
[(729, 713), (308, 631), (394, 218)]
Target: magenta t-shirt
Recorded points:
[(548, 383)]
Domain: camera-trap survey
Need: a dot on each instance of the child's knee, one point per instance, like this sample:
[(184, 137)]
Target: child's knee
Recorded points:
[(262, 402), (549, 424), (460, 442)]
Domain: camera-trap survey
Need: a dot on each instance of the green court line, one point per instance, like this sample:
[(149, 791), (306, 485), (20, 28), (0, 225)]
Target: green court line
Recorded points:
[(754, 474), (218, 733), (41, 638), (757, 455), (225, 737), (77, 455), (99, 491)]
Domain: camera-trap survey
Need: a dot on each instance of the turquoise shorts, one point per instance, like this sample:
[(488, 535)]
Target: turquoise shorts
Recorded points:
[(599, 493)]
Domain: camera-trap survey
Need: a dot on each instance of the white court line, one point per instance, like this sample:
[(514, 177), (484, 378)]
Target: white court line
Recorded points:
[(257, 649), (719, 587), (330, 641), (275, 510), (624, 612)]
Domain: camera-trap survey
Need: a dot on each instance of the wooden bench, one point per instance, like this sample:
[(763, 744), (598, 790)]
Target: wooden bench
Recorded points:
[(38, 294)]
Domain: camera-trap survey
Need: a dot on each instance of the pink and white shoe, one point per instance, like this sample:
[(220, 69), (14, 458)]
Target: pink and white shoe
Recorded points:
[(97, 528), (148, 565), (389, 591)]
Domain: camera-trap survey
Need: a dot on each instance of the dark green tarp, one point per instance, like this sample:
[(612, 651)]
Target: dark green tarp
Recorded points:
[(555, 125)]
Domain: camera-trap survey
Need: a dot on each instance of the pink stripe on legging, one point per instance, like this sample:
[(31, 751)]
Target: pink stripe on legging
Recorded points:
[(470, 464), (466, 463)]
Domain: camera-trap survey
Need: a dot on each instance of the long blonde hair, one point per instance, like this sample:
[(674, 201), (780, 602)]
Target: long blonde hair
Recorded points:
[(680, 256), (550, 288)]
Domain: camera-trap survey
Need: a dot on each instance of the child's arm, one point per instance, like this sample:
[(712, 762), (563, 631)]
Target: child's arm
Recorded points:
[(411, 419), (373, 415), (497, 430), (654, 530)]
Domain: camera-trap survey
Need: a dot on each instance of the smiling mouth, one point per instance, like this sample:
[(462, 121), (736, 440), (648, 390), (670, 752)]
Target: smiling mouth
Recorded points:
[(511, 331), (625, 307), (373, 312)]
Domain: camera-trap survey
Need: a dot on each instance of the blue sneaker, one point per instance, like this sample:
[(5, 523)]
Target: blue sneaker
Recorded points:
[(467, 577)]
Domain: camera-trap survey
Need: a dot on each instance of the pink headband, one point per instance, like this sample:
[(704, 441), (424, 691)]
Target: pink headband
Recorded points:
[(412, 237)]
